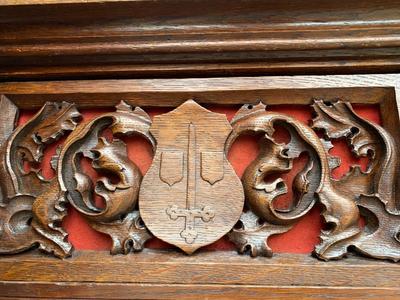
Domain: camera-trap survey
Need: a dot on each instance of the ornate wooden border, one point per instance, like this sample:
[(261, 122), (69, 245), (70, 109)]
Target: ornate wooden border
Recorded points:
[(141, 38), (213, 274)]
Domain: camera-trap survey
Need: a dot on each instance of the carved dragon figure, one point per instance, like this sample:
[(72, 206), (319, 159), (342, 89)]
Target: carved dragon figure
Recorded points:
[(28, 217), (32, 208), (311, 184), (342, 200), (120, 198)]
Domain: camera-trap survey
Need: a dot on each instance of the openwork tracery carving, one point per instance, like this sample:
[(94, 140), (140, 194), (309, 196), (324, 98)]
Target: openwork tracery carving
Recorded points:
[(369, 194), (191, 186), (118, 217), (28, 214)]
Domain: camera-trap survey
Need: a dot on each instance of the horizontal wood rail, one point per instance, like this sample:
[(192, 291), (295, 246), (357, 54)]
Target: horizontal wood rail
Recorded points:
[(125, 39), (91, 274)]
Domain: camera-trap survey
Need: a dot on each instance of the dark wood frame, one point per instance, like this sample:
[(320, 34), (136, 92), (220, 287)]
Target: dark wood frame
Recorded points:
[(75, 39), (211, 275), (164, 274), (376, 89)]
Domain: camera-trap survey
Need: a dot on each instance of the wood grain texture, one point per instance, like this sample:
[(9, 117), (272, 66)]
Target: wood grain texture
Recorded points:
[(8, 109), (117, 217), (310, 185), (191, 196), (173, 267), (140, 38), (180, 196), (367, 89), (43, 2), (29, 216), (167, 274), (199, 291), (370, 193), (126, 39)]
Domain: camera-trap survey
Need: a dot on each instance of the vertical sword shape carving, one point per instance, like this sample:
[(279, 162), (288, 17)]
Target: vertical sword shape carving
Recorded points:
[(190, 213), (190, 197)]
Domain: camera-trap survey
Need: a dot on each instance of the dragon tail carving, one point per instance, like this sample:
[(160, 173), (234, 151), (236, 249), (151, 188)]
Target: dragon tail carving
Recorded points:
[(311, 185)]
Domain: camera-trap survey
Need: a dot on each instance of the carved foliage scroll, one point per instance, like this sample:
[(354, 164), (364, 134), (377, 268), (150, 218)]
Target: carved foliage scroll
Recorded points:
[(28, 215), (118, 217), (312, 184), (373, 191), (191, 196), (369, 194)]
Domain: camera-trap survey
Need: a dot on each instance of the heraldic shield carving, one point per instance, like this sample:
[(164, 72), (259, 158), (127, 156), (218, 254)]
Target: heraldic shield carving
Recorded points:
[(191, 196)]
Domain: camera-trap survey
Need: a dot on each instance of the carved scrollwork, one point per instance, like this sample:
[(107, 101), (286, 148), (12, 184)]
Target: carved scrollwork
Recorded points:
[(312, 184), (373, 191), (29, 217), (370, 194), (117, 218), (190, 170), (128, 234)]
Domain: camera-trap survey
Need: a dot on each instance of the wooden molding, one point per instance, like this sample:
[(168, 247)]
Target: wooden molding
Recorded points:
[(213, 275), (125, 39)]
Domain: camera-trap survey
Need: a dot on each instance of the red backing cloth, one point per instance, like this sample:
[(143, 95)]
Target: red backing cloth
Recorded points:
[(300, 239)]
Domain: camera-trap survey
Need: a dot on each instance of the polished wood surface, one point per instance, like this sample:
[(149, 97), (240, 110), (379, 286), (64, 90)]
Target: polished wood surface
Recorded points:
[(212, 275), (180, 199), (117, 216), (175, 38), (166, 274), (78, 42), (191, 196), (272, 90)]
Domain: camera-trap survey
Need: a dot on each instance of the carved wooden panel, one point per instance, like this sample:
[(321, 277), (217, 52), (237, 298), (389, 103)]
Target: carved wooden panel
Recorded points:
[(191, 196)]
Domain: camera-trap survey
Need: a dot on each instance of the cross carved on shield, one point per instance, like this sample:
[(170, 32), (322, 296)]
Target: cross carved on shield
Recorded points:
[(191, 196)]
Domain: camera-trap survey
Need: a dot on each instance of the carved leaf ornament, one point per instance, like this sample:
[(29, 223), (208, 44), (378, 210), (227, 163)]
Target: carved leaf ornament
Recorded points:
[(191, 196)]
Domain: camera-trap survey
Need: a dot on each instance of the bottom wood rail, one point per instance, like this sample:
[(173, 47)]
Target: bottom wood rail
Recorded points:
[(167, 274)]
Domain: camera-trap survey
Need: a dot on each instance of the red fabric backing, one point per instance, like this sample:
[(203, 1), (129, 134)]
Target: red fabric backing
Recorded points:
[(300, 239)]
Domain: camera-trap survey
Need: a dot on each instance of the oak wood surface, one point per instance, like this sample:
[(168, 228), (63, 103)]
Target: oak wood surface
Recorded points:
[(180, 198), (190, 170), (272, 90), (211, 291), (206, 274), (175, 38), (382, 89), (314, 182), (127, 39), (42, 2)]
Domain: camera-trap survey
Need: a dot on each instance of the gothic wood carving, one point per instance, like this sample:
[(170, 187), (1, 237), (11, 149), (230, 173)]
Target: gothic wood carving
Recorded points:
[(373, 190), (312, 184), (369, 194), (31, 212), (118, 217), (191, 196)]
